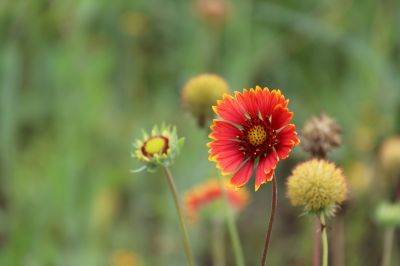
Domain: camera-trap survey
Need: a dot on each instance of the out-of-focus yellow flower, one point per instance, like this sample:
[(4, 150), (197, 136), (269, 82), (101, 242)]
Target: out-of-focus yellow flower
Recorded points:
[(359, 177), (317, 185), (104, 210), (210, 192), (200, 93), (363, 138), (125, 258), (133, 23), (390, 156)]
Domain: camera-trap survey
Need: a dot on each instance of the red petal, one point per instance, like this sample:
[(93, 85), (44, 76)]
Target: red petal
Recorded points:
[(243, 175), (262, 96), (287, 140), (263, 177), (229, 110), (280, 117), (271, 161), (223, 130), (248, 102), (223, 146), (275, 98), (265, 168), (231, 163)]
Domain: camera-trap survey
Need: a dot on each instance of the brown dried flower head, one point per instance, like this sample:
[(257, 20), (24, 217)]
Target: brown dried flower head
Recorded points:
[(320, 135), (213, 11)]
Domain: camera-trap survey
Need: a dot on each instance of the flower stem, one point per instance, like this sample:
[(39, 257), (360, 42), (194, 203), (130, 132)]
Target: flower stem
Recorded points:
[(387, 246), (271, 221), (232, 229), (324, 238), (218, 243), (175, 195), (317, 243)]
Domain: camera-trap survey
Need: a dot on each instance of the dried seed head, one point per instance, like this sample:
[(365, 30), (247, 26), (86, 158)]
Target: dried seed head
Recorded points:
[(320, 135)]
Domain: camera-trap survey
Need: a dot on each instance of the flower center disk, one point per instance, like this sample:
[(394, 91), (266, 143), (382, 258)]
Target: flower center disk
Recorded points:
[(257, 135), (155, 145)]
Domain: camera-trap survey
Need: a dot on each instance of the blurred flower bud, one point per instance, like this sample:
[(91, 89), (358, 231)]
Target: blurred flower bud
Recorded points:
[(320, 135), (200, 93), (158, 148), (317, 185), (390, 156), (388, 214)]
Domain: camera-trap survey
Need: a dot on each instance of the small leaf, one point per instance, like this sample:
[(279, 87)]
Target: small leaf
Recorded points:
[(139, 169)]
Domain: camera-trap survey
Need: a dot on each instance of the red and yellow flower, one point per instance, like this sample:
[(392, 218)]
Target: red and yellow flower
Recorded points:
[(253, 132), (211, 192)]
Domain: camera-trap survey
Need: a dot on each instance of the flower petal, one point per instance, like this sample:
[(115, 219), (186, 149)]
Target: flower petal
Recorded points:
[(242, 176), (263, 177), (275, 98), (230, 164), (287, 140), (280, 117), (248, 102), (229, 109), (223, 130)]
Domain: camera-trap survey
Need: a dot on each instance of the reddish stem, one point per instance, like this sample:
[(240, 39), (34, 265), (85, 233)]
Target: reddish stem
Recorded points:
[(317, 243), (271, 221)]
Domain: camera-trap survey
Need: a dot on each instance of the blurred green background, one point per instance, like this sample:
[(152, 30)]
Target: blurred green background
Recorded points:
[(79, 79)]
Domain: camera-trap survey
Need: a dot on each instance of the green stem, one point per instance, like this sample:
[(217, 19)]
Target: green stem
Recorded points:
[(324, 238), (387, 246), (218, 243), (232, 229), (175, 195), (271, 221)]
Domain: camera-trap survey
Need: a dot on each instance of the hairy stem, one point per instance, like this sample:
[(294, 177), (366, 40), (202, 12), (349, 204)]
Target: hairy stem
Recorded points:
[(182, 225), (271, 221)]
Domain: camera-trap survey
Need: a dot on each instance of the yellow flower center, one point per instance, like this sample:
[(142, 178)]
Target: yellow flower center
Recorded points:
[(257, 135), (155, 145)]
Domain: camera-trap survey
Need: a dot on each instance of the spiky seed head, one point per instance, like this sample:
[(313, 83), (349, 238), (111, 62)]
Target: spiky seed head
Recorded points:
[(317, 185)]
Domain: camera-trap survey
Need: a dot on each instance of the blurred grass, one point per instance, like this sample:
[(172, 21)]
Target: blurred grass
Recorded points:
[(79, 79)]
